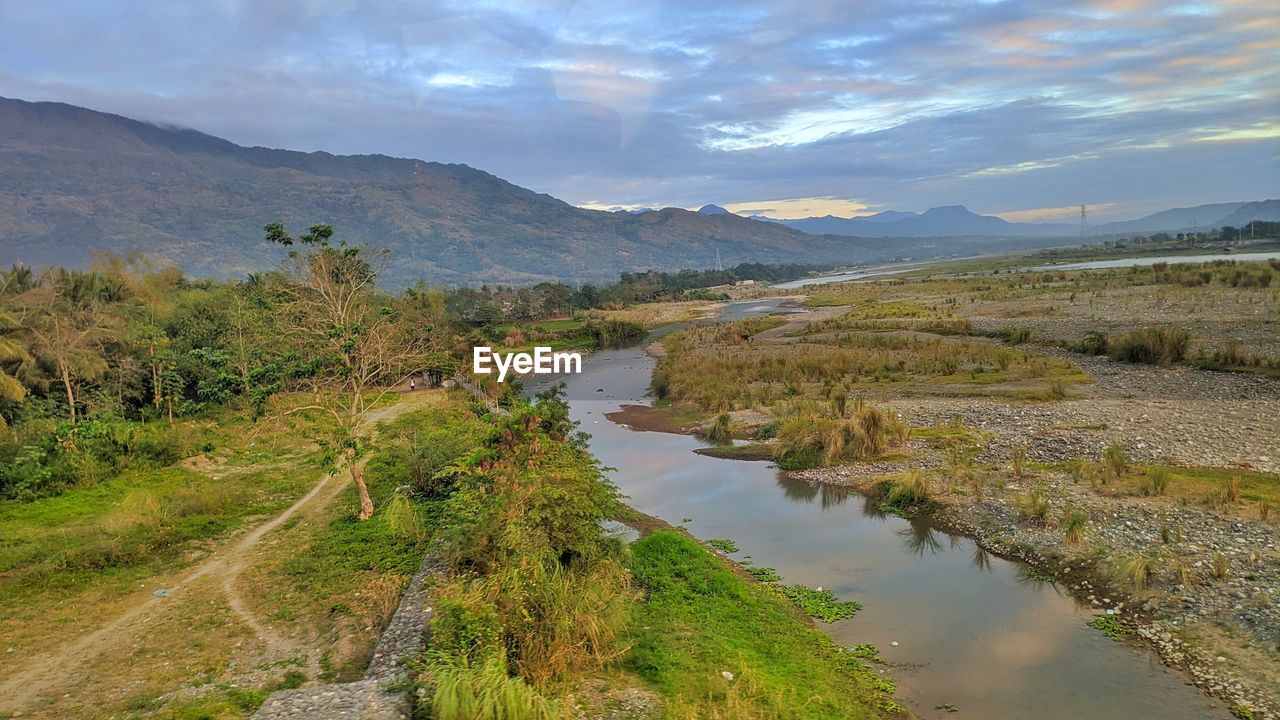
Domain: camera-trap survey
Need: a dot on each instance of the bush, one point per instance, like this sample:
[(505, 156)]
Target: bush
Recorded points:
[(1034, 506), (1156, 346), (908, 492), (469, 692), (719, 430), (1154, 482), (866, 432), (1074, 523), (1115, 460)]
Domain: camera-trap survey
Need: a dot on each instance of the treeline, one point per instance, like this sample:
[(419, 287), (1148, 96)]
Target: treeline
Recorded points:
[(493, 305)]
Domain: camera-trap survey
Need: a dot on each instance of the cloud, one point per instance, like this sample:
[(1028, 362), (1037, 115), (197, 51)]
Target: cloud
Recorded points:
[(1017, 105)]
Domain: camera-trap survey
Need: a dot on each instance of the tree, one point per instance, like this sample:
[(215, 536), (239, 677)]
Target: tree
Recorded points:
[(353, 346), (70, 328), (11, 352)]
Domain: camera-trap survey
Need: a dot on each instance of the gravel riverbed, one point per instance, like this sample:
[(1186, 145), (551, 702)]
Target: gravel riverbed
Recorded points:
[(1214, 570)]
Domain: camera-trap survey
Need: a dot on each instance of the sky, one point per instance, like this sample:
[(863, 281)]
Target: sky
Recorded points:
[(1023, 108)]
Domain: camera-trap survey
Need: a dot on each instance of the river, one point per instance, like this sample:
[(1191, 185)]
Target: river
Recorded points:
[(973, 630)]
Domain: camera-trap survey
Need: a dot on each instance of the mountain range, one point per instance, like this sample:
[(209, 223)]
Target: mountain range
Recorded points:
[(956, 220), (75, 182)]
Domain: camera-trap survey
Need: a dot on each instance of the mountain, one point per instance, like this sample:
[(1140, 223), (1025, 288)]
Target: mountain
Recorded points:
[(888, 216), (75, 181), (1202, 216), (1264, 210), (713, 210), (956, 220), (951, 220)]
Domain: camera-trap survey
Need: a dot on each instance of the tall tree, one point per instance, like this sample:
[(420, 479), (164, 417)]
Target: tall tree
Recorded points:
[(12, 352), (69, 327), (355, 349)]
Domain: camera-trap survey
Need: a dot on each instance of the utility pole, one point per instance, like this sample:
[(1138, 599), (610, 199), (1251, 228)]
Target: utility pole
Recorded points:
[(1084, 226)]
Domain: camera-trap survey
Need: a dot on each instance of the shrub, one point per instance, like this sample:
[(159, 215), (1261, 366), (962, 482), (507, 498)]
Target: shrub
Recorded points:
[(468, 692), (1221, 567), (909, 490), (1034, 506), (1016, 336), (1074, 523), (1156, 346), (719, 430), (1017, 458), (1154, 482), (1135, 571), (1115, 460), (1093, 343), (866, 432)]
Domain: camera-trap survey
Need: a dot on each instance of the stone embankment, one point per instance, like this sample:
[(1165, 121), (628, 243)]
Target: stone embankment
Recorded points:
[(382, 694)]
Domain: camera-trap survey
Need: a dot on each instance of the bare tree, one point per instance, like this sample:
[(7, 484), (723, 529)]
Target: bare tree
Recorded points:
[(355, 345)]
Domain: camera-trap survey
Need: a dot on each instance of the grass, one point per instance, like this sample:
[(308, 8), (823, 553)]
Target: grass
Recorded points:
[(1033, 505), (1155, 481), (1135, 571), (700, 618), (1074, 523), (1245, 490), (719, 368), (908, 493), (1156, 346)]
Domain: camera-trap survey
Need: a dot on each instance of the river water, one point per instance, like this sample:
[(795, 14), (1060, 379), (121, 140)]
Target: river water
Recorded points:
[(973, 630)]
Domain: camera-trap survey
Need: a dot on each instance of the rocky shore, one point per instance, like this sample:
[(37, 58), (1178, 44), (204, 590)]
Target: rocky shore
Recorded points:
[(1187, 593)]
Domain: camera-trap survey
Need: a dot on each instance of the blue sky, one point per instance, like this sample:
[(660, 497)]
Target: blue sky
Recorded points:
[(1022, 108)]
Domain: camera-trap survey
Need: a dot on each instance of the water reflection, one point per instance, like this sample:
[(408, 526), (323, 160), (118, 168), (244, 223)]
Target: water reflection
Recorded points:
[(980, 559), (805, 492), (918, 537)]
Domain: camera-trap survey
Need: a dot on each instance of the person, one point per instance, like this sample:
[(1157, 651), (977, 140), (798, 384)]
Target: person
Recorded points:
[(413, 384)]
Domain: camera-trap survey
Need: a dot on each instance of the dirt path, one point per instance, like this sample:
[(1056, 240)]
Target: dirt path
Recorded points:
[(59, 667)]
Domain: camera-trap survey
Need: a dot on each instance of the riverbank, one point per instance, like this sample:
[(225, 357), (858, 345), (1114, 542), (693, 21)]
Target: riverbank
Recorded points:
[(1222, 631), (1176, 546)]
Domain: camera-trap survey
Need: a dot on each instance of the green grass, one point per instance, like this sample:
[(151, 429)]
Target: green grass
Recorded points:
[(137, 523), (700, 619), (1195, 483)]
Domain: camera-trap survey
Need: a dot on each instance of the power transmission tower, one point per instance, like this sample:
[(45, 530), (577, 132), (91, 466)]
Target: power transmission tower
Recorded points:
[(1084, 226), (719, 267)]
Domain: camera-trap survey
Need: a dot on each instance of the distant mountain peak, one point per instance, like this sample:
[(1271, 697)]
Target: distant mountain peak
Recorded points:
[(950, 211), (713, 210)]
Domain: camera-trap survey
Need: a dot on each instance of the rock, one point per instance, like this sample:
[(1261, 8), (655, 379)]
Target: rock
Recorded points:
[(728, 676)]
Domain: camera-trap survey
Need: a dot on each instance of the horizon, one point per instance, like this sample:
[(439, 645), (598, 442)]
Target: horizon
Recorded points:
[(1020, 110)]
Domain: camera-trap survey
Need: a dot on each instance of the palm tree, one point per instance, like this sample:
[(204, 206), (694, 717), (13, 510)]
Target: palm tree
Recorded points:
[(11, 352)]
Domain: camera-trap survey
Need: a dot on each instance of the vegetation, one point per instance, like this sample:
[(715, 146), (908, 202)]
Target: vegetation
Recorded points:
[(819, 603), (1074, 523), (700, 619), (1111, 626)]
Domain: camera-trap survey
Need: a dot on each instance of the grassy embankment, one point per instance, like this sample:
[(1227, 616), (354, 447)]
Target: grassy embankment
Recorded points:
[(540, 610)]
